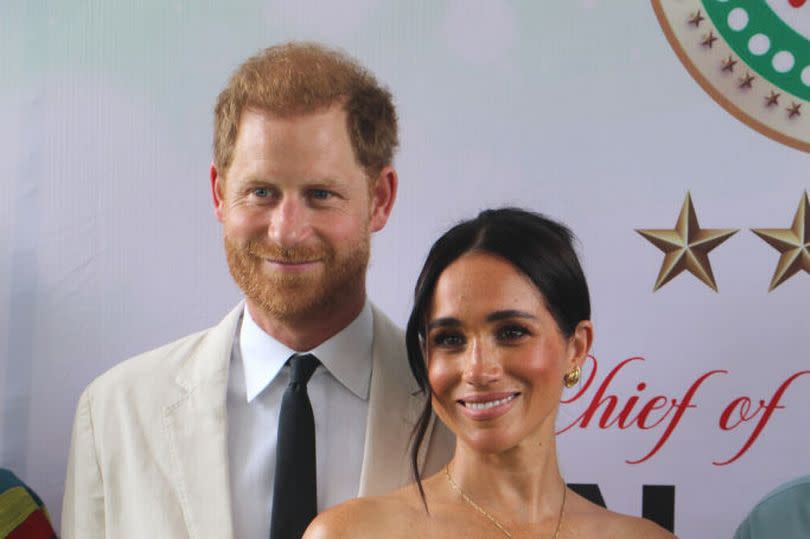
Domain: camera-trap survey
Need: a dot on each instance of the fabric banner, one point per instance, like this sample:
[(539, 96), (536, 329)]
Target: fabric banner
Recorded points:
[(671, 136)]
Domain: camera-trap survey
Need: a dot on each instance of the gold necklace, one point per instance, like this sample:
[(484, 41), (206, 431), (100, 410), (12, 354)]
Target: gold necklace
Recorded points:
[(469, 501)]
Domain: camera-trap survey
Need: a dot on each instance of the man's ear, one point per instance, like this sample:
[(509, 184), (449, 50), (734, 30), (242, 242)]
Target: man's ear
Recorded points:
[(383, 195), (217, 192), (579, 344)]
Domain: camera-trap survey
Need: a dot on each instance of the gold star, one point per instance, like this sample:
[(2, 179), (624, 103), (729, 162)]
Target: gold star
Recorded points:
[(794, 110), (773, 99), (793, 243), (747, 80), (728, 64), (696, 19), (709, 39), (686, 247)]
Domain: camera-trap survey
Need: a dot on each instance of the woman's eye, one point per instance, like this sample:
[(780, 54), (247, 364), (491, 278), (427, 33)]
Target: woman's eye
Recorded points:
[(448, 340), (509, 333)]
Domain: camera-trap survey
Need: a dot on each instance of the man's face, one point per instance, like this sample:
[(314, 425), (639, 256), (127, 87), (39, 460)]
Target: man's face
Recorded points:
[(298, 211)]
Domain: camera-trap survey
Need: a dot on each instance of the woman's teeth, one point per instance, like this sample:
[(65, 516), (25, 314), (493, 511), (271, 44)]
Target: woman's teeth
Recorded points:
[(488, 404)]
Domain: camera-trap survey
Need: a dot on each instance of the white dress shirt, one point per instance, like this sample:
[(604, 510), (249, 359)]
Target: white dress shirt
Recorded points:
[(338, 391)]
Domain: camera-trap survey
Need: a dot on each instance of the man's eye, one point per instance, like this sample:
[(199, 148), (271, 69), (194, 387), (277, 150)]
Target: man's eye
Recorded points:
[(320, 194), (509, 333), (261, 192)]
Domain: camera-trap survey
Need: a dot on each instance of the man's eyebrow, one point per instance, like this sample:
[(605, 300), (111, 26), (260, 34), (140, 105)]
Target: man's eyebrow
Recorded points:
[(252, 181), (329, 180), (509, 313), (444, 323)]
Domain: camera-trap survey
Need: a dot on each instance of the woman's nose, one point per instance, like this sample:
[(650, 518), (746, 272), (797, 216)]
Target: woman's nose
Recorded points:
[(481, 366)]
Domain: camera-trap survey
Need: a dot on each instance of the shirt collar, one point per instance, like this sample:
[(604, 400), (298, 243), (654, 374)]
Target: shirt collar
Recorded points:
[(346, 355)]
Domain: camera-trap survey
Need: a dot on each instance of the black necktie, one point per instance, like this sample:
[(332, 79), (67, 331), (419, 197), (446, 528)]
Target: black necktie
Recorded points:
[(295, 487)]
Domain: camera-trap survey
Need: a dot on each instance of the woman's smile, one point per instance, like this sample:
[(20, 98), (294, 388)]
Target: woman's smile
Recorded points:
[(487, 406)]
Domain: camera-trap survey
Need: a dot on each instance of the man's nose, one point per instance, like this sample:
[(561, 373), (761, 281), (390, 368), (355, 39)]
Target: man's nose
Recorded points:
[(289, 222), (481, 367)]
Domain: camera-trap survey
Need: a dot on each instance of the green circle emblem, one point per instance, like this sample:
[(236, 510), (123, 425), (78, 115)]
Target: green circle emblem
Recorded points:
[(751, 56)]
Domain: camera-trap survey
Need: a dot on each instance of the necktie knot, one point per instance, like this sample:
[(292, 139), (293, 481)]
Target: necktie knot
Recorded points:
[(301, 369)]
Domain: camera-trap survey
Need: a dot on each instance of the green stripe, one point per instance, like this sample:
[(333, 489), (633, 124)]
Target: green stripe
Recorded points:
[(762, 19)]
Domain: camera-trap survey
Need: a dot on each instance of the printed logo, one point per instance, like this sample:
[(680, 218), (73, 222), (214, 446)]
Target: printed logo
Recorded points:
[(792, 243), (686, 246), (751, 56)]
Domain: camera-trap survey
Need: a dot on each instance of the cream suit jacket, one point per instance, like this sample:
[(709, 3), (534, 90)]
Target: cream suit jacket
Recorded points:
[(148, 456)]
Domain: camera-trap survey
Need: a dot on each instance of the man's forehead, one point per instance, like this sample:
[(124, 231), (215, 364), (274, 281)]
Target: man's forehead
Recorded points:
[(293, 114), (318, 129)]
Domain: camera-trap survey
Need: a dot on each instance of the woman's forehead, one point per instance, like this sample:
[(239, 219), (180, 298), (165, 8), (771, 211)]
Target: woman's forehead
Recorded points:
[(481, 283)]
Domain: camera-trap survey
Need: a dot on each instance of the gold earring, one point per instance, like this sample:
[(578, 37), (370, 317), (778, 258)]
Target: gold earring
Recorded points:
[(570, 379)]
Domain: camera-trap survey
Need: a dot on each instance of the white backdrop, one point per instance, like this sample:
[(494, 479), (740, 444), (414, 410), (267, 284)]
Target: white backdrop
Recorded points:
[(579, 109)]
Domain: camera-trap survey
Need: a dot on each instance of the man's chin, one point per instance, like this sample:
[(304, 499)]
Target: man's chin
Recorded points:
[(289, 308)]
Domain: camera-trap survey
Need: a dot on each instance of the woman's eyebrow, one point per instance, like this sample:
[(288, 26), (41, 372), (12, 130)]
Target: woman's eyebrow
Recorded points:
[(509, 313), (492, 317), (444, 322)]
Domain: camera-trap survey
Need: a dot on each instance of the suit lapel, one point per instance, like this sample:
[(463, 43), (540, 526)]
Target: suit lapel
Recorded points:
[(196, 425), (393, 409)]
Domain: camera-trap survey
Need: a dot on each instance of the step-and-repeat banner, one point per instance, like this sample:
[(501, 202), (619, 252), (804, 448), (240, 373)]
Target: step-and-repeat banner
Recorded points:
[(671, 135)]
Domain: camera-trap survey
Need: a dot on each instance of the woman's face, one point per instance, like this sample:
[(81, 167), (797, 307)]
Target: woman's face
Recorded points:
[(496, 357)]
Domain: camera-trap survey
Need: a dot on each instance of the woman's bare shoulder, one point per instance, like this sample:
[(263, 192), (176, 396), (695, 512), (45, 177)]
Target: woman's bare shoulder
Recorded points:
[(597, 521), (372, 517), (627, 527)]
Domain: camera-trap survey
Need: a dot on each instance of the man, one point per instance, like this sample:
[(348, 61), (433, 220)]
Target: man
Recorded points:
[(784, 513), (191, 440)]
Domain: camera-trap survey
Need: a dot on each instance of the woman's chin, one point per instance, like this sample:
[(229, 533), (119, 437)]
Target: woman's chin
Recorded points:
[(490, 442)]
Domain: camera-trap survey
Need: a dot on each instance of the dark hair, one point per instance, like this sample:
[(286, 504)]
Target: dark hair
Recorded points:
[(539, 247)]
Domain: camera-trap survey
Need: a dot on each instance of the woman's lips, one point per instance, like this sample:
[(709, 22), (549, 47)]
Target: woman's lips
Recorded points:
[(487, 406)]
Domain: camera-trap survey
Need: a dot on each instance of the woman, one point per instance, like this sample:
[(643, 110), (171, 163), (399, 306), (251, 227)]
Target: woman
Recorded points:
[(501, 321)]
